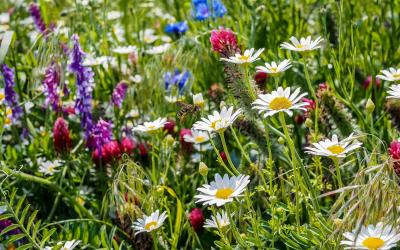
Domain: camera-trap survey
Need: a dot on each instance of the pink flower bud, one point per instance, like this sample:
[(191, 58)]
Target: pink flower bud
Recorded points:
[(196, 219), (61, 137)]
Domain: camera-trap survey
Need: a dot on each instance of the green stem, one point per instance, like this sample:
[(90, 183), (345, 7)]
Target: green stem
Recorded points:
[(222, 136), (49, 184), (338, 174), (219, 156), (314, 96), (248, 83)]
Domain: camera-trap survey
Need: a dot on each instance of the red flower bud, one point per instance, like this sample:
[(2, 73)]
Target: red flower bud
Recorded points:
[(196, 219), (61, 138), (109, 152), (367, 82), (223, 156), (311, 103), (143, 150), (394, 152), (127, 145), (261, 78), (186, 146), (169, 126), (299, 119)]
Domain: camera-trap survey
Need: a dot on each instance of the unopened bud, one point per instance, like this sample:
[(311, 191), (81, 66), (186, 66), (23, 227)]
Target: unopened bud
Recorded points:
[(222, 104), (169, 140), (370, 106), (281, 140), (273, 199), (309, 123), (203, 169)]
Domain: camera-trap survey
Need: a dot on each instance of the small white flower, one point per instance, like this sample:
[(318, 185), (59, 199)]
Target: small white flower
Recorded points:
[(151, 127), (68, 245), (136, 78), (158, 49), (48, 167), (4, 18), (174, 98), (197, 137), (222, 190), (125, 50), (95, 61), (280, 100), (218, 121), (305, 44), (198, 100), (273, 68), (148, 36), (371, 238), (112, 15), (334, 147), (394, 92), (390, 75), (247, 57), (221, 220), (149, 223), (133, 113)]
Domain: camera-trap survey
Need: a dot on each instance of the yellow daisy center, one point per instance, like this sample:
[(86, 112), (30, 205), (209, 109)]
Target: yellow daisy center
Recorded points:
[(336, 149), (7, 121), (51, 169), (397, 75), (280, 103), (2, 96), (244, 58), (299, 46), (373, 243), (150, 225), (8, 111), (199, 139), (214, 124), (224, 193)]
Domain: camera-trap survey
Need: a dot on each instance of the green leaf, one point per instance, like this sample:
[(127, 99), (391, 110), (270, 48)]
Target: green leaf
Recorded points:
[(24, 213), (5, 44), (15, 238), (31, 219), (19, 205), (9, 228), (26, 246)]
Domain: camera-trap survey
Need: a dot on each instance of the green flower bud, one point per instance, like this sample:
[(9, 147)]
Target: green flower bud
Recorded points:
[(203, 169), (281, 140), (370, 106), (309, 123)]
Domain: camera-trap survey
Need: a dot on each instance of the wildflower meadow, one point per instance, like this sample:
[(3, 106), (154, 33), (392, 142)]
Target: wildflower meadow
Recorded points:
[(199, 124)]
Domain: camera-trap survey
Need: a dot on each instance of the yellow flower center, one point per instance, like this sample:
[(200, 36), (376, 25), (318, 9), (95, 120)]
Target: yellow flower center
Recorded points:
[(2, 96), (224, 193), (150, 225), (7, 121), (199, 139), (244, 58), (373, 243), (299, 46), (8, 111), (280, 103), (336, 149), (214, 124), (397, 75), (51, 168)]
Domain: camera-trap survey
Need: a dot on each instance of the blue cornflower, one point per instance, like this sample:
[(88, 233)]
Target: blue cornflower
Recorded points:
[(177, 28), (176, 79), (204, 9)]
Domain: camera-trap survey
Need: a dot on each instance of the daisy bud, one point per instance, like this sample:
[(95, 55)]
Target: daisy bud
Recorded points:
[(370, 106), (280, 210), (61, 137), (281, 140), (169, 140), (196, 219), (203, 169), (309, 123), (127, 145), (273, 199)]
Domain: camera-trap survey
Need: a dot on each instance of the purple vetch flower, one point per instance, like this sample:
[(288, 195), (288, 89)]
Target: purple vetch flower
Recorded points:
[(37, 18), (119, 93), (101, 134), (85, 83), (10, 95), (51, 82)]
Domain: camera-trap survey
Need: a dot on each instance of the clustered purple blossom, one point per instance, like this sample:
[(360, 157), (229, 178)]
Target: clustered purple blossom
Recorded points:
[(119, 93), (10, 95), (51, 82), (85, 83), (101, 134), (37, 18)]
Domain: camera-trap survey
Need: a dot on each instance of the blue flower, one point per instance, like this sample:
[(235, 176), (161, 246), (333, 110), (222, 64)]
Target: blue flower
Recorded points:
[(176, 28), (176, 79), (203, 9)]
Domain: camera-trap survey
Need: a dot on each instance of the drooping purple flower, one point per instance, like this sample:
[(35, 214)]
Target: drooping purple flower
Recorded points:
[(37, 18), (101, 135), (85, 83), (119, 93), (51, 82), (10, 95)]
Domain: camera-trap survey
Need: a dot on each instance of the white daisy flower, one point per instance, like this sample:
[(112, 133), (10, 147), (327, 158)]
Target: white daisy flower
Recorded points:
[(222, 190), (218, 122), (149, 37), (280, 100), (151, 127), (197, 137), (305, 44), (334, 147), (221, 220), (198, 100), (174, 98), (112, 15), (48, 167), (390, 75), (68, 245), (371, 238), (133, 113), (4, 17), (158, 49), (149, 223), (136, 78), (394, 92), (2, 96), (247, 57), (273, 68), (125, 50)]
